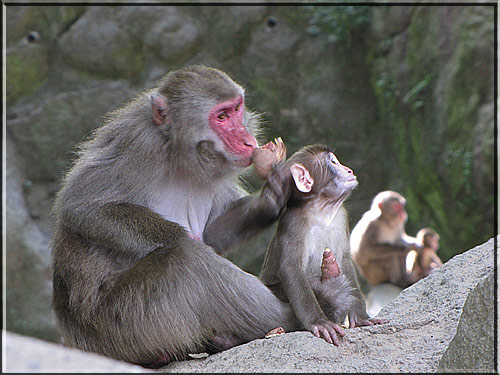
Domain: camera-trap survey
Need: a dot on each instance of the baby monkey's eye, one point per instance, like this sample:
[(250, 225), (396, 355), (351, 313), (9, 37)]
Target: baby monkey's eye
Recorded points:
[(222, 116), (333, 158)]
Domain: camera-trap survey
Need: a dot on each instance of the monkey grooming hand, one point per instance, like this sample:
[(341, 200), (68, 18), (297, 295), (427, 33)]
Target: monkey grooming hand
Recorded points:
[(264, 157), (329, 266)]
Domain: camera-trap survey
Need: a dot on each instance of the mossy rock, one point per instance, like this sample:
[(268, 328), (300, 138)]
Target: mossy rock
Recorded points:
[(48, 21), (27, 67)]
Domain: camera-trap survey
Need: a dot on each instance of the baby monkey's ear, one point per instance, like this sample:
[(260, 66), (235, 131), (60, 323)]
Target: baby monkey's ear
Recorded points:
[(302, 178)]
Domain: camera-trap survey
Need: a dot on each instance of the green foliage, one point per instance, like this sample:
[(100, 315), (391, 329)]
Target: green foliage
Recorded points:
[(339, 23), (430, 112), (26, 68)]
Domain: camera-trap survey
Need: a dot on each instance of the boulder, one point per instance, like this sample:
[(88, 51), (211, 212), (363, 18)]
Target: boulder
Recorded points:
[(472, 347), (29, 355), (423, 322)]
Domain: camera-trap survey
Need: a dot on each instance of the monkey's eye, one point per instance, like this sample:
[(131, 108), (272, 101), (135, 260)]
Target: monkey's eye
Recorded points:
[(333, 159), (237, 108), (222, 116)]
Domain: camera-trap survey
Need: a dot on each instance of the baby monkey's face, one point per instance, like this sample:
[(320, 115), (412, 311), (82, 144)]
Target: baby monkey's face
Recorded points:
[(341, 180)]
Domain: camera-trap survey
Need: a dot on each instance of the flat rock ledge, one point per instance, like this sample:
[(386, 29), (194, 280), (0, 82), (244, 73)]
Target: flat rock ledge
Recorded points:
[(456, 300)]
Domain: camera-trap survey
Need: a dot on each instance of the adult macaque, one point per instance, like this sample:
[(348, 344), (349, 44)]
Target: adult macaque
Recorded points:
[(320, 284), (152, 194), (426, 260), (379, 243)]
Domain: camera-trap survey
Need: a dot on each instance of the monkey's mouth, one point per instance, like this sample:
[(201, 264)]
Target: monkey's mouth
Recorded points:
[(243, 163), (352, 182)]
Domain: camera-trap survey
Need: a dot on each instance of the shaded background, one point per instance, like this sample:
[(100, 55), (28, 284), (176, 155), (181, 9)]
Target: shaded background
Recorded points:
[(404, 94)]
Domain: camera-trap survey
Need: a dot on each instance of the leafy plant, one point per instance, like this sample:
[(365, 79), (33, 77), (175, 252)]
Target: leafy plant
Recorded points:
[(338, 22)]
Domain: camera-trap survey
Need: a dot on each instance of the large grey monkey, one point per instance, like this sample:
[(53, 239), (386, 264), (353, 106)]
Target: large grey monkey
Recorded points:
[(152, 194)]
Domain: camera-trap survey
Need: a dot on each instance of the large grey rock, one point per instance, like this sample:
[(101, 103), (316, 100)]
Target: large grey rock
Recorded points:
[(29, 355), (46, 131), (423, 321), (472, 347), (27, 254), (27, 66), (96, 43)]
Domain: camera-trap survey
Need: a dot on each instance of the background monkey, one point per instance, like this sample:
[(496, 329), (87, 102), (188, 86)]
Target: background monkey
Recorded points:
[(379, 243), (152, 194), (313, 220), (426, 260)]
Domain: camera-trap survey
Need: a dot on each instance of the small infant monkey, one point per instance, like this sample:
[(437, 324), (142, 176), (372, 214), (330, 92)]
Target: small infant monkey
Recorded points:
[(426, 260), (320, 284)]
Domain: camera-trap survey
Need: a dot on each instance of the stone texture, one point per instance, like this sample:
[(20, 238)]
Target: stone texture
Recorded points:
[(27, 67), (29, 355), (472, 347), (423, 321), (46, 131), (27, 269), (96, 43)]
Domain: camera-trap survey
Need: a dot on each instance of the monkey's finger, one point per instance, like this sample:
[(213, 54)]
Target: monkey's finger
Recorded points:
[(315, 331), (339, 330), (327, 336), (379, 321), (352, 321), (365, 323), (333, 336)]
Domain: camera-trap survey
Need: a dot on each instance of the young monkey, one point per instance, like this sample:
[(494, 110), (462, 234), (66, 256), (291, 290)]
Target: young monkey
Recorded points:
[(320, 285), (426, 260)]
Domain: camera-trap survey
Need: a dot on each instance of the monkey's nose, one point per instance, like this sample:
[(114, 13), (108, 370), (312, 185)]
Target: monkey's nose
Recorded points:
[(250, 142)]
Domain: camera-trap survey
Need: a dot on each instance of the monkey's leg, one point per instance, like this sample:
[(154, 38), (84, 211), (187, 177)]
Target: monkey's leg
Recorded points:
[(335, 296), (185, 295), (398, 274)]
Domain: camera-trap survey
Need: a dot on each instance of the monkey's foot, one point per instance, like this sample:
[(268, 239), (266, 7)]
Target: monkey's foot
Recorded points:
[(164, 360), (327, 330), (275, 332), (329, 266), (221, 342), (368, 322)]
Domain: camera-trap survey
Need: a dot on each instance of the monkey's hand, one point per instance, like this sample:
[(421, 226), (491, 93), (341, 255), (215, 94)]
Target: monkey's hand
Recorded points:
[(276, 190), (327, 330)]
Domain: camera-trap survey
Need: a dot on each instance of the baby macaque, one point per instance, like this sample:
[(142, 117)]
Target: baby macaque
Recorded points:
[(308, 262), (427, 260)]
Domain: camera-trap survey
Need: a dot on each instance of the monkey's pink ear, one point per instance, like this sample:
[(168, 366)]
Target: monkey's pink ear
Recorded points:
[(301, 177), (158, 108)]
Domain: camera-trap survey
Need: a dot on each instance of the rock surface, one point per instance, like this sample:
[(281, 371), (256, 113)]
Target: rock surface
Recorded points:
[(29, 355), (423, 322), (472, 346)]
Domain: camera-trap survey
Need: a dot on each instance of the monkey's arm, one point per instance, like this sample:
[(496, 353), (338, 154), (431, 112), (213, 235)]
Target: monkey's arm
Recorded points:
[(371, 248), (125, 228), (251, 214)]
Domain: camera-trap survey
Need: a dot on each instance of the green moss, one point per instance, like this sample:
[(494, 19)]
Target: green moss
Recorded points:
[(49, 21), (26, 69), (430, 113)]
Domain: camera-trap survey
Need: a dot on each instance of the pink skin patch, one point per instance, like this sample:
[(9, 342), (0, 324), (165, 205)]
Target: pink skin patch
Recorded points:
[(226, 119), (194, 237), (400, 210)]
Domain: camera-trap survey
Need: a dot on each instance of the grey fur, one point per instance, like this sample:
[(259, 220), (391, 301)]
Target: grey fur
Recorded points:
[(310, 223), (129, 282)]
